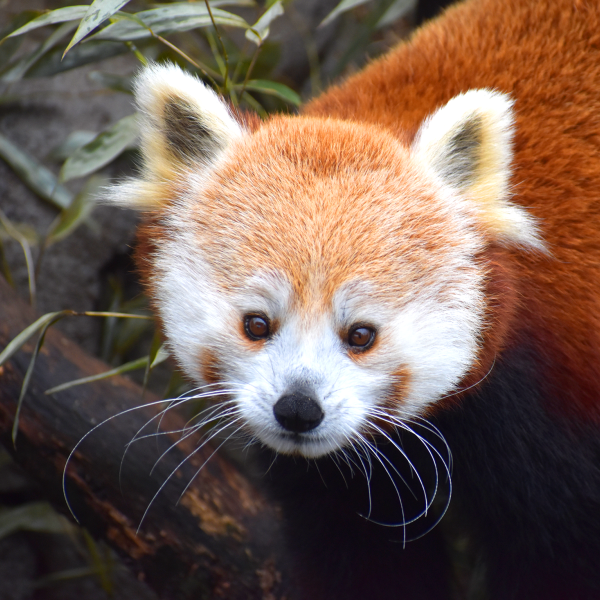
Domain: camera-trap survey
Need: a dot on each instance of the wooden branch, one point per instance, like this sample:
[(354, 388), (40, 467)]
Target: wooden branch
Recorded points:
[(221, 540)]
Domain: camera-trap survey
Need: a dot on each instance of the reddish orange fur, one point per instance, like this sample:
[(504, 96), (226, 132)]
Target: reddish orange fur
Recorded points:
[(544, 54), (550, 298), (336, 195)]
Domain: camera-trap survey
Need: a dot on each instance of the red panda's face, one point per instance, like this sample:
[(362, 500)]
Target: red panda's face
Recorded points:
[(320, 273), (361, 280)]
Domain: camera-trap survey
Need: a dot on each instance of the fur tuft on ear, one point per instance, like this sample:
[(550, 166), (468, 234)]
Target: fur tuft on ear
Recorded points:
[(467, 145), (184, 125)]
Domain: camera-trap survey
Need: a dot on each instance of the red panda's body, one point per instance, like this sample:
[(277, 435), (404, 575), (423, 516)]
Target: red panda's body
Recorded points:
[(546, 55), (411, 265)]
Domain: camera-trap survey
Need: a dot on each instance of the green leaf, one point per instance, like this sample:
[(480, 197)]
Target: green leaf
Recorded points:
[(90, 52), (24, 230), (97, 13), (178, 17), (101, 562), (34, 175), (133, 365), (102, 149), (255, 105), (9, 47), (17, 70), (75, 140), (274, 89), (35, 516), (4, 266), (15, 234), (61, 15), (155, 356), (259, 32), (30, 369), (398, 9), (160, 357), (16, 343), (80, 209), (213, 3), (117, 83), (342, 7)]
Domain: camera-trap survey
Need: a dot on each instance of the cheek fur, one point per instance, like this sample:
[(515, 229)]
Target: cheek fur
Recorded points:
[(210, 367)]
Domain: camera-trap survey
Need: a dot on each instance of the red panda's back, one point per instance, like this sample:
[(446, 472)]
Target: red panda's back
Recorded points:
[(546, 55)]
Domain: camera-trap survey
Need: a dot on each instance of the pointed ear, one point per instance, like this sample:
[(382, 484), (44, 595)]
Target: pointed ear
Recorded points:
[(184, 125), (467, 145)]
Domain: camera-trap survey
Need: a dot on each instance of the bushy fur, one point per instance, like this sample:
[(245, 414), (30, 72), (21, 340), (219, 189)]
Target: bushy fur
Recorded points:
[(446, 198)]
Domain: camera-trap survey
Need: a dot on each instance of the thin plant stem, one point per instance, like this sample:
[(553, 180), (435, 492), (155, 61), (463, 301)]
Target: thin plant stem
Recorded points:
[(14, 233), (206, 71), (225, 57), (250, 67), (137, 53)]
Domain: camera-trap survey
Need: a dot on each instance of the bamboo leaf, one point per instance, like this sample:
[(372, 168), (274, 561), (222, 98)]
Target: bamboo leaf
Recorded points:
[(101, 562), (5, 267), (121, 315), (133, 365), (61, 15), (398, 9), (24, 230), (156, 349), (79, 210), (16, 343), (213, 3), (117, 83), (178, 17), (9, 47), (14, 233), (17, 70), (274, 89), (34, 516), (53, 62), (160, 357), (29, 372), (106, 146), (342, 7), (259, 32), (34, 175), (97, 13), (75, 140), (256, 106)]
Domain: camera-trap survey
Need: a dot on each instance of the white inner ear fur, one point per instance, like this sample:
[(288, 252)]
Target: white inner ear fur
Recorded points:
[(467, 146), (184, 127)]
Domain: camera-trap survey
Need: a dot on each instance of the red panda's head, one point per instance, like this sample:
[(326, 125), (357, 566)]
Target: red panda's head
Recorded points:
[(322, 272)]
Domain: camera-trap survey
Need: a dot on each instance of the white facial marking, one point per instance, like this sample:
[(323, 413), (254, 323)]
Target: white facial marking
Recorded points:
[(432, 336)]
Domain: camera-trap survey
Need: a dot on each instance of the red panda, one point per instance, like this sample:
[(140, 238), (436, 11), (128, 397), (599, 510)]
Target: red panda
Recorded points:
[(409, 268)]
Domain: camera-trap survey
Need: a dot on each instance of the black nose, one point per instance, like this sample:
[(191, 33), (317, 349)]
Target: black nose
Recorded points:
[(298, 413)]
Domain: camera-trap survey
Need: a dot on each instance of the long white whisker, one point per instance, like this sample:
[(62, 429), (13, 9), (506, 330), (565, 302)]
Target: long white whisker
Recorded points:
[(173, 473), (401, 424), (405, 456), (483, 378), (185, 489), (404, 425), (172, 404), (107, 420), (377, 454), (336, 458), (368, 473), (191, 430)]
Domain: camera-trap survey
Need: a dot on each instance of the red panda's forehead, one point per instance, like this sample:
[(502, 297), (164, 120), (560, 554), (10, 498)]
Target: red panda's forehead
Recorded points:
[(324, 202)]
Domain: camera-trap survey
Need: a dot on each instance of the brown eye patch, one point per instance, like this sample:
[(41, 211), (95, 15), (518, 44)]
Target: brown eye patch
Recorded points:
[(257, 327), (361, 337)]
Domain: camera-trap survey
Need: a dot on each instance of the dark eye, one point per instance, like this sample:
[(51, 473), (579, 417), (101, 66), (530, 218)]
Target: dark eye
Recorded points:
[(256, 327), (361, 337)]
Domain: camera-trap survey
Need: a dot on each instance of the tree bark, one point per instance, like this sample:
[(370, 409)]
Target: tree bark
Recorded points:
[(221, 539)]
